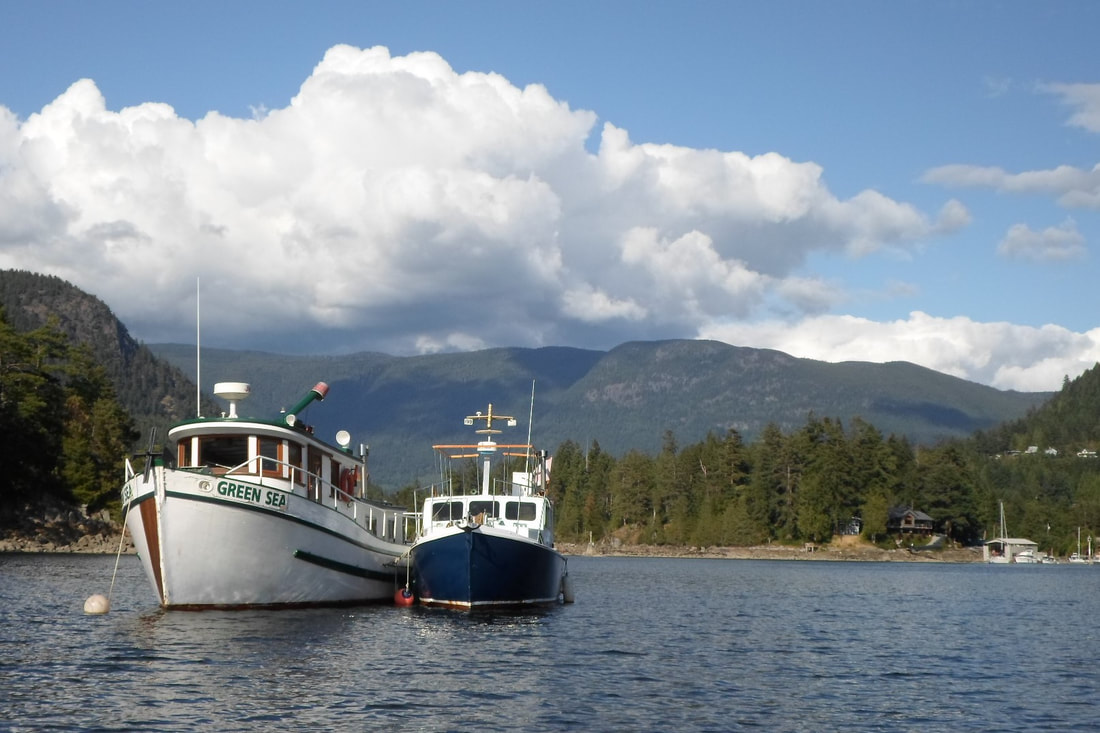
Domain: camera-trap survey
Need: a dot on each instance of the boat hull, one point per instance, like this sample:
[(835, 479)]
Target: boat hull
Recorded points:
[(200, 549), (475, 567)]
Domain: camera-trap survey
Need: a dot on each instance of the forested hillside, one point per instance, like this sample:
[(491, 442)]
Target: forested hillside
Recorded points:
[(63, 432), (154, 392), (808, 484)]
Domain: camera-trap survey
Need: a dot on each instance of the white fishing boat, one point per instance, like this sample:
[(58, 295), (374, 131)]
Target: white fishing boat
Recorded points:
[(245, 512), (1006, 550), (492, 544)]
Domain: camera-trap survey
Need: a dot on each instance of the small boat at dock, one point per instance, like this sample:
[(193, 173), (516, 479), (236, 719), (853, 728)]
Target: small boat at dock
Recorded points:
[(243, 512)]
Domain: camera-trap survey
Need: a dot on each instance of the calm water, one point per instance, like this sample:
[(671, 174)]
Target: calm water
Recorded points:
[(651, 644)]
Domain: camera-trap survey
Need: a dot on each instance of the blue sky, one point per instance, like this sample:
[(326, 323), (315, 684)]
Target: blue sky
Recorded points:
[(842, 181)]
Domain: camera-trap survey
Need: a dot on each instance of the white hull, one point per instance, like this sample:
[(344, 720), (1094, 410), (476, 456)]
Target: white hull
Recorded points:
[(266, 547)]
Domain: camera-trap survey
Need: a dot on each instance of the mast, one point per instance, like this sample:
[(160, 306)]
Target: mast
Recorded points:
[(487, 447), (198, 354), (530, 423)]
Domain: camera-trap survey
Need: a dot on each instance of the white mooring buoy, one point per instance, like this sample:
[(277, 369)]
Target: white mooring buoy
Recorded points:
[(96, 605)]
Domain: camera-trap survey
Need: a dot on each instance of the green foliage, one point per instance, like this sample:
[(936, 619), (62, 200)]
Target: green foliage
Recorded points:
[(153, 392), (63, 432), (806, 484)]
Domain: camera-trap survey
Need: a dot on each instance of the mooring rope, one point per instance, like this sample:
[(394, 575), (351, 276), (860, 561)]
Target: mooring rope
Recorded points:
[(118, 554)]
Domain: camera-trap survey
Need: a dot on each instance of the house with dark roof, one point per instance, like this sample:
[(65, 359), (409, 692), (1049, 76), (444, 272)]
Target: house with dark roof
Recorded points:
[(907, 520)]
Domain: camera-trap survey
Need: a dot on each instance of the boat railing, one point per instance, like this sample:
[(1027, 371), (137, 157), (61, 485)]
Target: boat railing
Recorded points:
[(370, 515)]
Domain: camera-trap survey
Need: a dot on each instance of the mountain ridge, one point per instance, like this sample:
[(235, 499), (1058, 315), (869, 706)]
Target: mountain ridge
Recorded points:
[(625, 398)]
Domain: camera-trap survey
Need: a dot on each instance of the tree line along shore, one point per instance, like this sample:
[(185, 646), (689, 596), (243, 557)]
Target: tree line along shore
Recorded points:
[(100, 536)]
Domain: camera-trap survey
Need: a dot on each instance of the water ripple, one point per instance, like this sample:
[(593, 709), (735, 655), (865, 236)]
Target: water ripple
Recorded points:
[(690, 645)]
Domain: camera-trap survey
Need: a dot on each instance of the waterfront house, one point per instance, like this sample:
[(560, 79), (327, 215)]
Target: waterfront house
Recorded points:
[(907, 520)]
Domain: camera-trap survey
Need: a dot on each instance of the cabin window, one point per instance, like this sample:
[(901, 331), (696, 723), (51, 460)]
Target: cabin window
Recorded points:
[(524, 511), (184, 455), (224, 451), (447, 511), (313, 481), (334, 474), (294, 458), (488, 508), (268, 451)]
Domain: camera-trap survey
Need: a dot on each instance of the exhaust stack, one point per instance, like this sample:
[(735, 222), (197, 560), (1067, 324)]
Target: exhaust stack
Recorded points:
[(317, 393)]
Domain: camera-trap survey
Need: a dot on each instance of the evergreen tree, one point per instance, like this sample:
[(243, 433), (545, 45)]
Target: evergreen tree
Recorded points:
[(632, 491), (32, 402)]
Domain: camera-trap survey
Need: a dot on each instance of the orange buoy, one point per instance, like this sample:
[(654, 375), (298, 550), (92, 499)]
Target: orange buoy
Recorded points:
[(403, 597)]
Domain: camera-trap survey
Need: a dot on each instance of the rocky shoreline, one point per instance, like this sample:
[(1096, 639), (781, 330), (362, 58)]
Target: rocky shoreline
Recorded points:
[(66, 530), (834, 551), (76, 533)]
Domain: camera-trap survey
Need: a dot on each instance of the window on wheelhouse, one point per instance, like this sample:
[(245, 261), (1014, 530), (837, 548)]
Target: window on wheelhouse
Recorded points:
[(446, 511), (314, 477), (268, 451), (184, 454), (294, 458), (523, 511), (489, 508), (336, 477), (224, 452)]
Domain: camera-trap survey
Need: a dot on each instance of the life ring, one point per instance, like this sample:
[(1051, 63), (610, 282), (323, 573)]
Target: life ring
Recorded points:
[(349, 477)]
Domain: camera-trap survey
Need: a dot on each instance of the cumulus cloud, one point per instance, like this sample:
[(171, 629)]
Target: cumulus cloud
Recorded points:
[(396, 205), (1054, 243), (1003, 355)]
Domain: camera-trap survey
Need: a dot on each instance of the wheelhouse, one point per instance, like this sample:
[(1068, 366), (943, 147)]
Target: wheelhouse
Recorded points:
[(527, 516), (288, 459)]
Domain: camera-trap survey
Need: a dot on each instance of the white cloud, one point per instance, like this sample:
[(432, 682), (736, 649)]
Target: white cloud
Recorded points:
[(400, 206), (952, 217), (1084, 98), (586, 304), (1003, 355), (1072, 187), (1052, 244)]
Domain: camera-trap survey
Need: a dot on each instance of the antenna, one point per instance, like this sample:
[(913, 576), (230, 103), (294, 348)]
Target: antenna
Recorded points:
[(530, 419), (198, 354)]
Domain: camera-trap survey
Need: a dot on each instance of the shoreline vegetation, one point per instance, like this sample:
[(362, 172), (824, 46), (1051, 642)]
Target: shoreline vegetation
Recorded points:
[(838, 550), (98, 535)]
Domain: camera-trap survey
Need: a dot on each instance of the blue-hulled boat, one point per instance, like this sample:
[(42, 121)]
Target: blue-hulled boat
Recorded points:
[(491, 544)]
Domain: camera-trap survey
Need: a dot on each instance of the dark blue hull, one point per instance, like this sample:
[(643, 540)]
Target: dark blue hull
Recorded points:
[(471, 568)]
